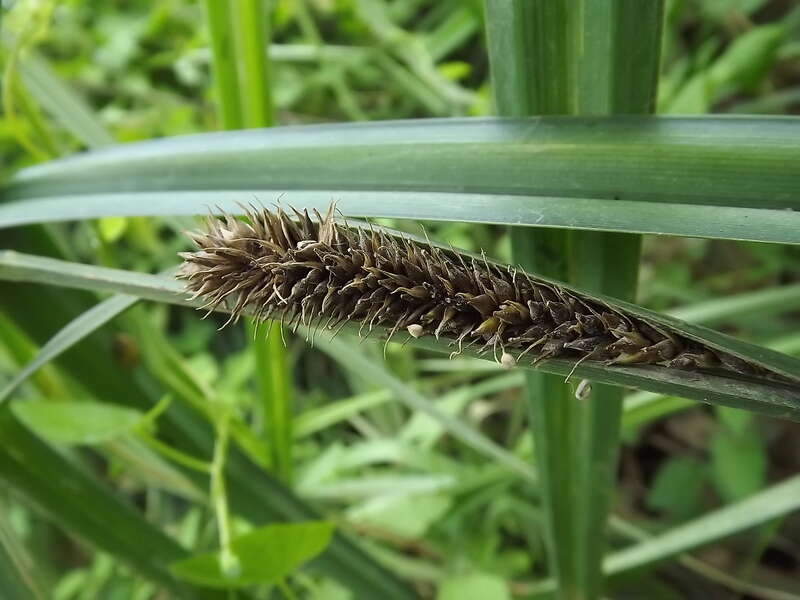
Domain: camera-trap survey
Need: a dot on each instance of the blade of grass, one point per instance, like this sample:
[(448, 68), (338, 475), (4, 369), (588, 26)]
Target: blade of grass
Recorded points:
[(67, 337), (775, 501), (457, 27), (764, 397), (317, 419), (519, 61), (745, 224), (621, 170), (578, 58), (23, 350), (273, 380), (761, 302), (63, 103), (15, 98), (19, 577), (645, 407), (704, 569)]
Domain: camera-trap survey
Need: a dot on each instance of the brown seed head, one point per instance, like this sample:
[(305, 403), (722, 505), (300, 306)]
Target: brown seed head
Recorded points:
[(320, 273)]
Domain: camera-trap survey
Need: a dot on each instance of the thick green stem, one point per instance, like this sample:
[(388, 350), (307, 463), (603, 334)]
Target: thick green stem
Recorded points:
[(275, 395), (253, 36), (239, 42), (223, 62), (229, 562), (576, 57)]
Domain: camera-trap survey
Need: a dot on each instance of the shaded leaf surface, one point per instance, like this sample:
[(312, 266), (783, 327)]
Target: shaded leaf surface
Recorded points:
[(266, 555), (76, 422)]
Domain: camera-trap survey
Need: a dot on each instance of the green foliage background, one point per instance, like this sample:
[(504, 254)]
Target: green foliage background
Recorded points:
[(442, 504)]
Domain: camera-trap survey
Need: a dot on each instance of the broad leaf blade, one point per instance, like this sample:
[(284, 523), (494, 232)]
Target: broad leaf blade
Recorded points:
[(474, 586), (635, 174), (84, 423), (265, 555)]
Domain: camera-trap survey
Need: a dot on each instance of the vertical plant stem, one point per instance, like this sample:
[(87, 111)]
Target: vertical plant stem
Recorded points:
[(275, 393), (617, 73), (223, 62), (229, 562), (239, 39), (253, 35), (575, 57), (272, 371)]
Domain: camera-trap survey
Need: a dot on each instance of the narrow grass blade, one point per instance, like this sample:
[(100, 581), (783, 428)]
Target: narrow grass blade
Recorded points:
[(761, 302), (71, 334), (317, 419), (552, 414), (617, 49), (63, 103), (22, 349), (321, 417), (645, 407), (775, 501), (633, 158), (19, 577)]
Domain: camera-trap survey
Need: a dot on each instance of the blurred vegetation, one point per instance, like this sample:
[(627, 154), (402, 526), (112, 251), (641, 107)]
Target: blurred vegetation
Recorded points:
[(421, 502)]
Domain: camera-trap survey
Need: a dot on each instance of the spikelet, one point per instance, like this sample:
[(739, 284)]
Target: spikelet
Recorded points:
[(320, 273)]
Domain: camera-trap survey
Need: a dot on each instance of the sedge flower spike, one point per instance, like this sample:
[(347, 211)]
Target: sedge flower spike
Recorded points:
[(322, 273)]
